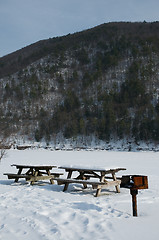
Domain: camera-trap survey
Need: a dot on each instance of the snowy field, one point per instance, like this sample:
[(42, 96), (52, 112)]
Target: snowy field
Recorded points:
[(45, 212)]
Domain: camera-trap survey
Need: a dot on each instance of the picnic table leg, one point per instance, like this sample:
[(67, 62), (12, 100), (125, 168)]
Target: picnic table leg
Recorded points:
[(81, 176), (66, 184), (49, 174), (117, 187), (99, 190), (30, 171), (34, 174), (84, 185), (19, 172)]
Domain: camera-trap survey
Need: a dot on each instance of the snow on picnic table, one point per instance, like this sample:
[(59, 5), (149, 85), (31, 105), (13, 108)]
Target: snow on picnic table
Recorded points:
[(45, 212)]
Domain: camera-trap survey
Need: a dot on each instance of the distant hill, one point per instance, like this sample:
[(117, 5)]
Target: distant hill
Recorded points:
[(101, 82)]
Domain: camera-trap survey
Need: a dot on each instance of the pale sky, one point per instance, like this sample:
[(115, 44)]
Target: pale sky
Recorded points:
[(23, 22)]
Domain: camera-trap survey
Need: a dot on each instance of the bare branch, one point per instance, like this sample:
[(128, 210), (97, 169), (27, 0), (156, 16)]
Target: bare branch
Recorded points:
[(3, 148)]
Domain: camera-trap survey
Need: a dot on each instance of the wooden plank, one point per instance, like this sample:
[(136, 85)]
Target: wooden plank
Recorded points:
[(106, 171), (56, 174), (91, 176), (41, 167), (19, 172), (67, 183), (69, 180), (117, 186), (33, 179), (111, 183), (95, 176), (30, 177), (101, 181), (105, 186), (37, 178), (15, 176), (51, 173)]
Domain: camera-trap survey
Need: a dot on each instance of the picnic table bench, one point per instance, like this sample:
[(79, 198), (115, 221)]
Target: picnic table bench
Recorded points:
[(85, 174), (34, 173)]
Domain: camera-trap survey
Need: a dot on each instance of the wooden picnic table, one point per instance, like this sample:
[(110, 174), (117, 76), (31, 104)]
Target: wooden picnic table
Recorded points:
[(33, 173), (86, 174)]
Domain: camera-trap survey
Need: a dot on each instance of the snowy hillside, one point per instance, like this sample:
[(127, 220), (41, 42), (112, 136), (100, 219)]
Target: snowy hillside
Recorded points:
[(104, 81), (45, 212)]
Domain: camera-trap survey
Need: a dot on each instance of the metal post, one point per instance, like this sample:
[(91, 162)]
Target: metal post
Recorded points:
[(134, 192)]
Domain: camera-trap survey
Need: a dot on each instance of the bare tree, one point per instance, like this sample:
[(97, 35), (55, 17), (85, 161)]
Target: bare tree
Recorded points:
[(3, 148)]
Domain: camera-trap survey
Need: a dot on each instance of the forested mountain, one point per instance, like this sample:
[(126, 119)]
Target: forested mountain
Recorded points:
[(102, 82)]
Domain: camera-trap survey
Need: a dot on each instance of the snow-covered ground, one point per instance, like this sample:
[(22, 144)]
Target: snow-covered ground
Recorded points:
[(45, 212)]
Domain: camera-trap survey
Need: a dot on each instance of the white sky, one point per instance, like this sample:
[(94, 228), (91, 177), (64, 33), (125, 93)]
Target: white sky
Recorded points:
[(23, 22)]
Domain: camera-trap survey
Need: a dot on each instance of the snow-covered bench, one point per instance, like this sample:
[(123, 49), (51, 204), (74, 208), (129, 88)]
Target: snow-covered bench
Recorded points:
[(95, 185), (32, 178)]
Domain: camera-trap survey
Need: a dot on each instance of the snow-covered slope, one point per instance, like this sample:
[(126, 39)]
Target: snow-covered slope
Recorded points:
[(45, 212)]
